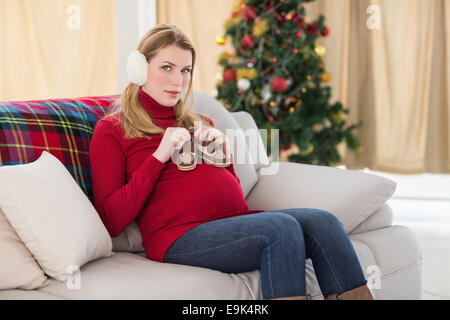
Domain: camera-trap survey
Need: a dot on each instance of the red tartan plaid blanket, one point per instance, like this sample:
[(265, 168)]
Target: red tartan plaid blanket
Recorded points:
[(62, 127)]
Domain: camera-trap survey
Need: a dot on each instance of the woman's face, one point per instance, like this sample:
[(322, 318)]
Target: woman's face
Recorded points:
[(169, 71)]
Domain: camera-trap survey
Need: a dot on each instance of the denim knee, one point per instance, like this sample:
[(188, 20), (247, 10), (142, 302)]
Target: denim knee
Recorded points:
[(283, 226), (324, 220)]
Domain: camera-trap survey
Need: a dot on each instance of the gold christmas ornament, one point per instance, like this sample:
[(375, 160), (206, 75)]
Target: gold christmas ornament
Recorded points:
[(232, 21), (249, 73), (220, 40), (260, 28), (326, 76), (320, 50), (224, 56)]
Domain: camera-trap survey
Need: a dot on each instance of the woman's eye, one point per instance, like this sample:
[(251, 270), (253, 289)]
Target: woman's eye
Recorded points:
[(184, 70)]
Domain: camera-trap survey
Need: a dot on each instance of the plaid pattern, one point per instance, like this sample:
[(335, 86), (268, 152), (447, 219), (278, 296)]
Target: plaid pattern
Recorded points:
[(62, 127)]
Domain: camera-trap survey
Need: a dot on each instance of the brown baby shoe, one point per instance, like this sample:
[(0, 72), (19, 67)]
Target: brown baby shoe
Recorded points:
[(212, 153), (187, 159)]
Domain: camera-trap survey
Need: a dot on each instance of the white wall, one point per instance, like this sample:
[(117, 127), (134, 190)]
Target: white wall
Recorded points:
[(133, 19)]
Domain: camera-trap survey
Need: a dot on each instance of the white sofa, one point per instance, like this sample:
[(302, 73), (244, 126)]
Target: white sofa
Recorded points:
[(390, 255)]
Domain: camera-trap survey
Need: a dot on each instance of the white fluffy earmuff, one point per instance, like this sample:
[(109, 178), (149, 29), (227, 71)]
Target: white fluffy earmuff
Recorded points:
[(137, 68)]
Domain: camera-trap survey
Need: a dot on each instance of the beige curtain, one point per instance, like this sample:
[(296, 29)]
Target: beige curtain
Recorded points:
[(57, 49), (395, 78)]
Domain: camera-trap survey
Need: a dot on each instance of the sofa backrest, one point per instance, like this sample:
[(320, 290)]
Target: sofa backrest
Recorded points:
[(64, 128)]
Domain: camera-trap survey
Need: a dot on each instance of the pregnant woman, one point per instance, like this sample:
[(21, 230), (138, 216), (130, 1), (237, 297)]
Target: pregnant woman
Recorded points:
[(146, 166)]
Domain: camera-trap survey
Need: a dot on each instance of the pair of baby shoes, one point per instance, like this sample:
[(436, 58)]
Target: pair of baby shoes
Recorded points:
[(209, 151)]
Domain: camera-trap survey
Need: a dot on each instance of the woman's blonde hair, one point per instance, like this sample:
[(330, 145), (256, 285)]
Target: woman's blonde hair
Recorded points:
[(128, 109)]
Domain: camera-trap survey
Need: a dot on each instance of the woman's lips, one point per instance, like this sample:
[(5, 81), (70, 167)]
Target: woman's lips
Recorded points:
[(172, 93)]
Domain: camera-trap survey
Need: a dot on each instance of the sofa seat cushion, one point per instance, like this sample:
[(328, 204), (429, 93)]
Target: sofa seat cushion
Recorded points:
[(130, 276), (391, 259), (18, 294)]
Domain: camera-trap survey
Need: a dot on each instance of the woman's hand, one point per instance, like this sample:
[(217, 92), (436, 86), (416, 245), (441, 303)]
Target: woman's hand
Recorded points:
[(213, 134), (173, 138)]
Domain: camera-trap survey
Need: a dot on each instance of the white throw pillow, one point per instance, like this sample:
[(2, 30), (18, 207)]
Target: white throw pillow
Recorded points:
[(52, 216), (352, 196), (18, 269)]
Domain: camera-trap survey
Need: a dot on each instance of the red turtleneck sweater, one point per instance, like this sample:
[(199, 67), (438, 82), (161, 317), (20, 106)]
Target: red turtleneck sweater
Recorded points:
[(129, 184)]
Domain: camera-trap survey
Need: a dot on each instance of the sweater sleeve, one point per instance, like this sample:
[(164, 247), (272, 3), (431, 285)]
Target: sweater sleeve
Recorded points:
[(118, 202)]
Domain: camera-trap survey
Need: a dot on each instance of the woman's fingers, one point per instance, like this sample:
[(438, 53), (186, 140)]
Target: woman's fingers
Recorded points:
[(210, 134)]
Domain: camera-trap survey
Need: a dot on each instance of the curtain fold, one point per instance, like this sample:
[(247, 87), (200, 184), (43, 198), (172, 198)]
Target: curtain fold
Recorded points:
[(57, 49)]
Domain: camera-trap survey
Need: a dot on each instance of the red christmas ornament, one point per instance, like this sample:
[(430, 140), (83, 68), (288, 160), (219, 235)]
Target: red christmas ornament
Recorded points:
[(248, 41), (311, 29), (268, 6), (299, 21), (280, 17), (249, 13), (229, 75), (325, 32), (279, 84)]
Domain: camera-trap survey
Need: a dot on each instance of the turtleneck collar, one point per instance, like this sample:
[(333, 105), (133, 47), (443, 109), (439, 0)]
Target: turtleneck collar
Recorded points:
[(156, 110)]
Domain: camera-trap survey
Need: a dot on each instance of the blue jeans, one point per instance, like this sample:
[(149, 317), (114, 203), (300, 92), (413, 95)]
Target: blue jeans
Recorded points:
[(276, 242)]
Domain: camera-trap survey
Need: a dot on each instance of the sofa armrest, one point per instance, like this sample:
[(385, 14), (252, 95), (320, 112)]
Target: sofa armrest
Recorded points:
[(352, 196)]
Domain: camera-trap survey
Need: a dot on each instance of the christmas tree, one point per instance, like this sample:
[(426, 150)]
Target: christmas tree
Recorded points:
[(276, 73)]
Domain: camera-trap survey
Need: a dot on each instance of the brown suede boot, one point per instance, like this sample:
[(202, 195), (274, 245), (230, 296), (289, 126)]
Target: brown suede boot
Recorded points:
[(359, 293)]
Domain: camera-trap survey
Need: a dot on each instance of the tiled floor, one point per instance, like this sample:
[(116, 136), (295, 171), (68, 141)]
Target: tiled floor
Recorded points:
[(422, 202)]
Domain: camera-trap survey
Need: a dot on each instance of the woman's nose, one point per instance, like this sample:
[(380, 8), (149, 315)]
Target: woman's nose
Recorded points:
[(177, 78)]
